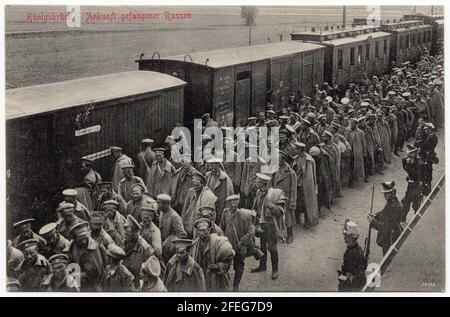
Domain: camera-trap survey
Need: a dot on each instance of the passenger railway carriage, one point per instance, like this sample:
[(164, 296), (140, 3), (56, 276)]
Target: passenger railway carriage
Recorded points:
[(435, 20), (408, 40), (350, 51), (49, 127), (231, 83)]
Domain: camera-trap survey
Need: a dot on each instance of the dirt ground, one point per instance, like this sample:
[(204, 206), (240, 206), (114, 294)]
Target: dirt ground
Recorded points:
[(309, 264)]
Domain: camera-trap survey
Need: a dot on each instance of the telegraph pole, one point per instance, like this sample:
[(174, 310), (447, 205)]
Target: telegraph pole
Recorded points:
[(344, 15)]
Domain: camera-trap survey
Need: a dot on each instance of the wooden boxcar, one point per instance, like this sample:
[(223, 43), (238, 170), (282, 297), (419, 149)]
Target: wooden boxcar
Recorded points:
[(231, 83), (408, 40), (49, 127), (351, 51)]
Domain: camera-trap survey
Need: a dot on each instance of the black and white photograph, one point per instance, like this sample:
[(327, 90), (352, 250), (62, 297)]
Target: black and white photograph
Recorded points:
[(241, 148)]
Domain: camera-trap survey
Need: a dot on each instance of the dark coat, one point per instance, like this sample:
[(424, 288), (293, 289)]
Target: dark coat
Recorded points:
[(171, 227), (354, 264), (222, 187), (91, 261), (31, 275), (219, 252), (428, 146), (184, 278), (387, 223), (181, 184), (136, 256), (286, 180), (239, 229)]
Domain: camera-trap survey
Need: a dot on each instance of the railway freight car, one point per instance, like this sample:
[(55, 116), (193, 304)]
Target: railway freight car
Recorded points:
[(408, 40), (232, 83), (350, 51), (49, 127)]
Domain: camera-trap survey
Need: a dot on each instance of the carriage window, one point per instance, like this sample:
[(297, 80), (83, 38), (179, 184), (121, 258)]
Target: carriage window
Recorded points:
[(359, 54), (377, 49), (385, 48), (352, 56), (414, 39), (367, 52), (407, 41), (243, 75), (419, 38), (339, 61)]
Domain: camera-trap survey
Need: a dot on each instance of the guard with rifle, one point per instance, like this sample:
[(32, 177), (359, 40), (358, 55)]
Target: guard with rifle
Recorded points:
[(428, 154), (352, 276), (387, 221), (412, 164), (367, 241)]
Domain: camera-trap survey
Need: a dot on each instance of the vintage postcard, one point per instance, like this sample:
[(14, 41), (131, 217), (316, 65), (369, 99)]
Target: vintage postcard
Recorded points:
[(226, 148)]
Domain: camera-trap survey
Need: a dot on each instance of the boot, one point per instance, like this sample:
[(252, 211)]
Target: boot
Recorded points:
[(237, 280), (290, 235), (274, 259), (297, 218)]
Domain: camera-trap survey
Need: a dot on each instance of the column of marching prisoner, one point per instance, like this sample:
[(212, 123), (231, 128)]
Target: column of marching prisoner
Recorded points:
[(180, 226)]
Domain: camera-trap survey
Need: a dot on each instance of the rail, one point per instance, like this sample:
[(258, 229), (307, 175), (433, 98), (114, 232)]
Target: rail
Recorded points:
[(393, 250)]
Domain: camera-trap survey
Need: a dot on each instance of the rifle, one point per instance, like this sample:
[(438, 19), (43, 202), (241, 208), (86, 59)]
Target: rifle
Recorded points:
[(367, 241)]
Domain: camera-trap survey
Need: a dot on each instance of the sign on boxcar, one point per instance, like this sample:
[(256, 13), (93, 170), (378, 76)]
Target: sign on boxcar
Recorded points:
[(96, 156), (88, 130)]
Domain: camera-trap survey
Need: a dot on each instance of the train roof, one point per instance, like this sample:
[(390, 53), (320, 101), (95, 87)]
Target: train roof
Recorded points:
[(246, 54), (433, 16), (336, 31), (359, 38), (401, 23), (426, 26), (26, 101)]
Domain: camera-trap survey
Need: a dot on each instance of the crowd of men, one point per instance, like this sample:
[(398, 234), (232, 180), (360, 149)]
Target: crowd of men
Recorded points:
[(181, 226)]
